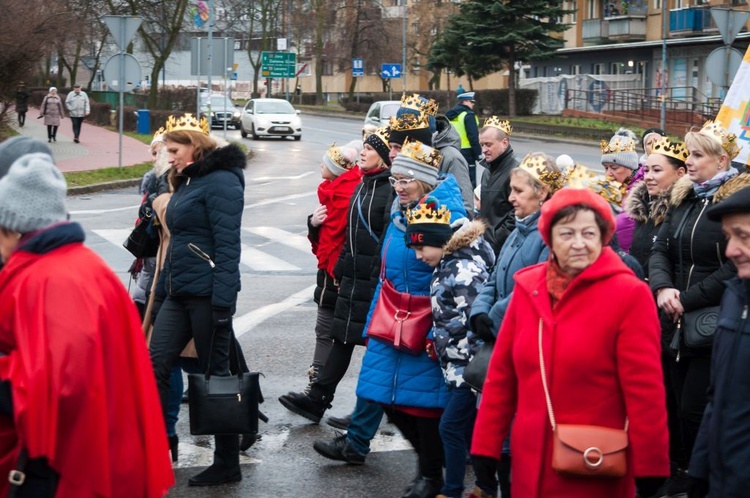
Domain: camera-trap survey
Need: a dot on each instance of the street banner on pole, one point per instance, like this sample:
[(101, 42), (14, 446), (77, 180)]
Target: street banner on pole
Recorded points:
[(735, 111)]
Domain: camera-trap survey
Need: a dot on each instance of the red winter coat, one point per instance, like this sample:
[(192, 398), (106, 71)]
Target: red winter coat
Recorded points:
[(334, 195), (602, 353), (84, 394)]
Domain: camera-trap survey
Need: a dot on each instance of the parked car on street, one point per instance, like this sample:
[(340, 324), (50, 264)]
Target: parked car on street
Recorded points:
[(222, 110), (380, 113), (270, 118)]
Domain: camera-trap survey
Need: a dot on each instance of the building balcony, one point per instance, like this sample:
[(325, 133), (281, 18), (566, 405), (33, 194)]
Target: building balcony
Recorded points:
[(690, 20), (594, 31), (627, 28)]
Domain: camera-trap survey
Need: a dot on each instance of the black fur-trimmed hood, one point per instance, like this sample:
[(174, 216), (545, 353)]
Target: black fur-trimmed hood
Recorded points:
[(230, 158), (641, 207)]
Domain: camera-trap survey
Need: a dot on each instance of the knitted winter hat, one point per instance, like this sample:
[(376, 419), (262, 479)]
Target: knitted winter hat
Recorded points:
[(15, 147), (418, 161), (428, 224), (571, 197), (336, 161), (379, 141), (621, 150), (656, 131), (32, 194)]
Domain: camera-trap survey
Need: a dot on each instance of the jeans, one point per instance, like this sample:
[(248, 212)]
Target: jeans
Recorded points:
[(77, 122), (456, 427), (364, 425), (424, 434)]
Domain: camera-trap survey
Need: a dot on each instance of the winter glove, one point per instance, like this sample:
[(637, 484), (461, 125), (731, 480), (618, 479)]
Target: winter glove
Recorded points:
[(648, 486), (485, 470), (482, 325), (222, 318), (697, 487)]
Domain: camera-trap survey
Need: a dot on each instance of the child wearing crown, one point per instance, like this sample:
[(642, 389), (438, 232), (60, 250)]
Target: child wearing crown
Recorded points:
[(462, 262)]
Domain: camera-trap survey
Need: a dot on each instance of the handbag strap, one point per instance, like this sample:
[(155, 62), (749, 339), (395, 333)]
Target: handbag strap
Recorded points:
[(211, 352), (358, 200), (543, 369)]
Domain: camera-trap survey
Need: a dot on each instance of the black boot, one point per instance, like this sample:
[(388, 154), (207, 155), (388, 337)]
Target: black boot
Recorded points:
[(424, 487), (340, 449), (174, 441), (226, 466), (305, 406), (341, 423)]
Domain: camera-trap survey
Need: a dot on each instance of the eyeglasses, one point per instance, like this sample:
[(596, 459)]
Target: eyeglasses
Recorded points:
[(403, 183)]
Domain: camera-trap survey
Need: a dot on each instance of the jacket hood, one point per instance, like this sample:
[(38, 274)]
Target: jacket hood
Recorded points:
[(681, 190), (230, 158), (447, 193), (446, 135), (641, 207), (466, 233), (737, 183)]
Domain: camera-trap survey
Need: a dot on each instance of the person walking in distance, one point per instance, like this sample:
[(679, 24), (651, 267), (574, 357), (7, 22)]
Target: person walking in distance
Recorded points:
[(22, 103), (52, 112), (78, 106), (466, 123)]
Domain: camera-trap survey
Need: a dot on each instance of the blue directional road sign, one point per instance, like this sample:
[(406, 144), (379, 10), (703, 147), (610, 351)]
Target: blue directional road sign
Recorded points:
[(358, 68), (390, 71)]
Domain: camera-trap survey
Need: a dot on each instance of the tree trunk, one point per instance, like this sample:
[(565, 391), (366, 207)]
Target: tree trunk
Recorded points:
[(511, 83), (320, 18)]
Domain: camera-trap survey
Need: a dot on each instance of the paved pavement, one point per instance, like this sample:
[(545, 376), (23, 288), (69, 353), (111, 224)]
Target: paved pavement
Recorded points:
[(99, 147)]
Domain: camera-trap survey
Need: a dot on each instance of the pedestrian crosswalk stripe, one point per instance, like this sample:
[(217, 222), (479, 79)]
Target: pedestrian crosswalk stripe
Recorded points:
[(295, 177), (261, 261), (290, 239), (115, 236)]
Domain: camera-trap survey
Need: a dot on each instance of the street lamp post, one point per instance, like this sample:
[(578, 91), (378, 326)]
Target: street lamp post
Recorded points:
[(403, 49), (663, 92)]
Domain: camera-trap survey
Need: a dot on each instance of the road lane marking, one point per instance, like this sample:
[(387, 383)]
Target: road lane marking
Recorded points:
[(284, 198), (249, 321), (293, 240), (115, 236), (295, 177), (261, 261), (103, 211)]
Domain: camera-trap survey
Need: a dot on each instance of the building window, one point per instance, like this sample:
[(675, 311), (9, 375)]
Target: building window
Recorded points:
[(575, 69), (598, 68), (593, 12), (657, 4)]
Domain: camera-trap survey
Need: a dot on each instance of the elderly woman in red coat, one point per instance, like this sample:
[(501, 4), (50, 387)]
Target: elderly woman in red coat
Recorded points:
[(599, 331)]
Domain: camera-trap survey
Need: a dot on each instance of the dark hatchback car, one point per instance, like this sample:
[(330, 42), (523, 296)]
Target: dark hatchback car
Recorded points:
[(222, 111)]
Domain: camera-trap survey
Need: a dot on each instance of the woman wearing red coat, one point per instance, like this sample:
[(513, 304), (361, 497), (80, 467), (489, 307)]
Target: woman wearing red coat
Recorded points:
[(600, 336), (79, 410)]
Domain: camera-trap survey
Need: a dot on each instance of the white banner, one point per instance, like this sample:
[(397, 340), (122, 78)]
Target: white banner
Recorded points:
[(735, 111)]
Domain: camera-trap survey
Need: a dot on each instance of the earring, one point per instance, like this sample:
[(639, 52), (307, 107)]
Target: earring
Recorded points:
[(541, 202)]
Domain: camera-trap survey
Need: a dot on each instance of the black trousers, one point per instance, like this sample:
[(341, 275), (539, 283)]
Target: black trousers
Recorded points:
[(21, 118), (77, 122), (52, 132), (333, 371), (178, 321), (690, 379), (424, 434)]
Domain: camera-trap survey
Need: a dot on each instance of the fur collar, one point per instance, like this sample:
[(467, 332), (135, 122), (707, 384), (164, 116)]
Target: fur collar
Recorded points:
[(641, 207), (227, 158), (738, 182), (681, 190), (468, 232)]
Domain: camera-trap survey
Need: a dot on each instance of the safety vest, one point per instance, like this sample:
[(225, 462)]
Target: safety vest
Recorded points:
[(458, 124)]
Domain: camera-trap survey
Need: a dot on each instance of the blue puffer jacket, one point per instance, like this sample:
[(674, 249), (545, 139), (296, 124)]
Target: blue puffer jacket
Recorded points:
[(524, 247), (205, 215), (389, 376)]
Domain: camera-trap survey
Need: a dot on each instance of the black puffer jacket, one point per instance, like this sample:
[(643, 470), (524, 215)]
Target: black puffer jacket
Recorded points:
[(497, 211), (358, 264), (648, 214), (688, 255), (205, 213)]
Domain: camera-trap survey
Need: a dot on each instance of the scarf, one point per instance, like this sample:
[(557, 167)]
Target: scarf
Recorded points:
[(709, 187), (557, 280)]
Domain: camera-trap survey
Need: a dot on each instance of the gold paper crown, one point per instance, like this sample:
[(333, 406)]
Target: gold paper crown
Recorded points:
[(384, 134), (334, 154), (427, 211), (418, 151), (618, 143), (188, 122), (578, 176), (415, 102), (159, 134), (502, 125), (666, 147), (727, 140), (536, 167), (409, 122)]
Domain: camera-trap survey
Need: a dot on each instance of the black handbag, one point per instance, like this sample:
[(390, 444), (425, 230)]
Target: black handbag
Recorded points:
[(223, 404), (476, 371), (143, 241), (698, 326)]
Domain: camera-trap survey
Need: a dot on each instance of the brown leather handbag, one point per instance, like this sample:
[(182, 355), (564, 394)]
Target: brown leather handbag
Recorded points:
[(585, 450)]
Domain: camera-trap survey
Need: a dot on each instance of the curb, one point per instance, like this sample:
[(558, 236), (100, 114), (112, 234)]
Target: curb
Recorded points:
[(100, 187)]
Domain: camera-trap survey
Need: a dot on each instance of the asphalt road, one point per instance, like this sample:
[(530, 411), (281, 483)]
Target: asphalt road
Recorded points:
[(275, 319)]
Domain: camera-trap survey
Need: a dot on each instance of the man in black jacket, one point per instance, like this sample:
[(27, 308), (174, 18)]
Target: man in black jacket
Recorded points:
[(499, 160), (719, 464)]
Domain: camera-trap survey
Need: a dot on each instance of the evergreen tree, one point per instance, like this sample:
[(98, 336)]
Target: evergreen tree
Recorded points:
[(488, 35)]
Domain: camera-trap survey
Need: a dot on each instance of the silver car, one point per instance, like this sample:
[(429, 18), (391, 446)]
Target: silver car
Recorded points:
[(270, 118), (380, 113)]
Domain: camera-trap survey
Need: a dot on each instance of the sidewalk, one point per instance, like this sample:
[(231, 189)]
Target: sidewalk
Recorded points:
[(98, 148)]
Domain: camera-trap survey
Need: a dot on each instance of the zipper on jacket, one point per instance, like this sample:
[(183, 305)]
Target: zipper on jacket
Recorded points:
[(692, 235), (198, 252)]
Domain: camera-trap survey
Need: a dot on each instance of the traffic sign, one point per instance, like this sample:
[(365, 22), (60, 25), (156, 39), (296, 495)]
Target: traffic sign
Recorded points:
[(132, 72), (123, 29), (390, 71), (278, 64), (723, 63), (358, 68)]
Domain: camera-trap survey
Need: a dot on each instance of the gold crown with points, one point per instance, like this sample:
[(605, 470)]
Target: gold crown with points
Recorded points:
[(727, 140), (384, 135), (334, 154), (419, 104), (427, 211), (610, 190), (409, 122), (577, 176), (159, 135), (666, 147), (502, 125), (188, 122), (414, 149), (618, 143), (536, 166)]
